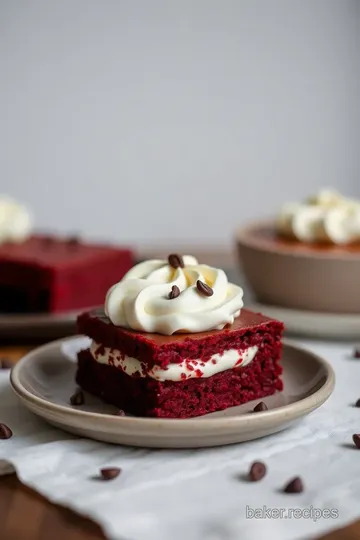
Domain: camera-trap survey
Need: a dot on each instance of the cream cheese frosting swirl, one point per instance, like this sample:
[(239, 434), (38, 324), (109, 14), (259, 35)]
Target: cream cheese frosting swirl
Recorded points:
[(140, 301), (327, 217), (15, 221)]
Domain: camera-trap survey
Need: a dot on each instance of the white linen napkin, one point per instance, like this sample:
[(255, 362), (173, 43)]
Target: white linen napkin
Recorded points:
[(202, 494)]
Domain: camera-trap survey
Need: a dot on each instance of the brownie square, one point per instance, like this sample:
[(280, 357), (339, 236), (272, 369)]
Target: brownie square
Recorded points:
[(49, 274), (181, 375)]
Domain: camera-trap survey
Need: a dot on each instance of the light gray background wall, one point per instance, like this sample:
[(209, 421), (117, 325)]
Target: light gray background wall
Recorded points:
[(174, 121)]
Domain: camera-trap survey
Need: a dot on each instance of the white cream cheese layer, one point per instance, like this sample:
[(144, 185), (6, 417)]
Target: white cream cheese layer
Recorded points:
[(187, 369)]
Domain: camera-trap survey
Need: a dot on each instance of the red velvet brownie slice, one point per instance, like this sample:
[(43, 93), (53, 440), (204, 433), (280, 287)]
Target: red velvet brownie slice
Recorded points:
[(180, 372), (182, 375), (51, 274)]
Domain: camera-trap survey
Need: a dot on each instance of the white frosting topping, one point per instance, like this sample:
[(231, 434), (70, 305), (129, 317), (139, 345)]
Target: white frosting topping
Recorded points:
[(141, 299), (327, 217), (187, 369), (15, 221)]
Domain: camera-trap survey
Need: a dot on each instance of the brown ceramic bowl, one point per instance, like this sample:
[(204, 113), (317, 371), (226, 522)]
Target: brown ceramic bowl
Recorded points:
[(299, 276)]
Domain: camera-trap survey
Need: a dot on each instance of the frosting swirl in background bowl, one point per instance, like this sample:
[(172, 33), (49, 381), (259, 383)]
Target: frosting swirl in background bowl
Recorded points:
[(327, 217), (15, 221), (140, 301)]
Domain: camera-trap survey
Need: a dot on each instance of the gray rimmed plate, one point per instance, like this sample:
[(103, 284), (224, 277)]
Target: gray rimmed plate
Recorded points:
[(44, 382), (38, 325), (45, 326), (311, 324)]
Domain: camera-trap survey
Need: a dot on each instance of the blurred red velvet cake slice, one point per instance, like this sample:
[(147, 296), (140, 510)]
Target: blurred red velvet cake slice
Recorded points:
[(174, 342), (51, 274)]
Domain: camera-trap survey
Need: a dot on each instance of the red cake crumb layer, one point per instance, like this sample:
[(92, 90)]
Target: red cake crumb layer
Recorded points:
[(162, 350), (144, 396), (194, 397), (58, 274)]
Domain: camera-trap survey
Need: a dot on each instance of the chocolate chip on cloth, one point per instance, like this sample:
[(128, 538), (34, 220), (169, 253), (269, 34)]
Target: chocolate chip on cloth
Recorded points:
[(356, 440), (257, 471), (294, 486), (5, 432), (109, 473), (5, 363), (356, 353)]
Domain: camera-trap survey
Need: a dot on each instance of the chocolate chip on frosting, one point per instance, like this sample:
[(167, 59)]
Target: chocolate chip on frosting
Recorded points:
[(174, 293), (175, 261), (203, 288)]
